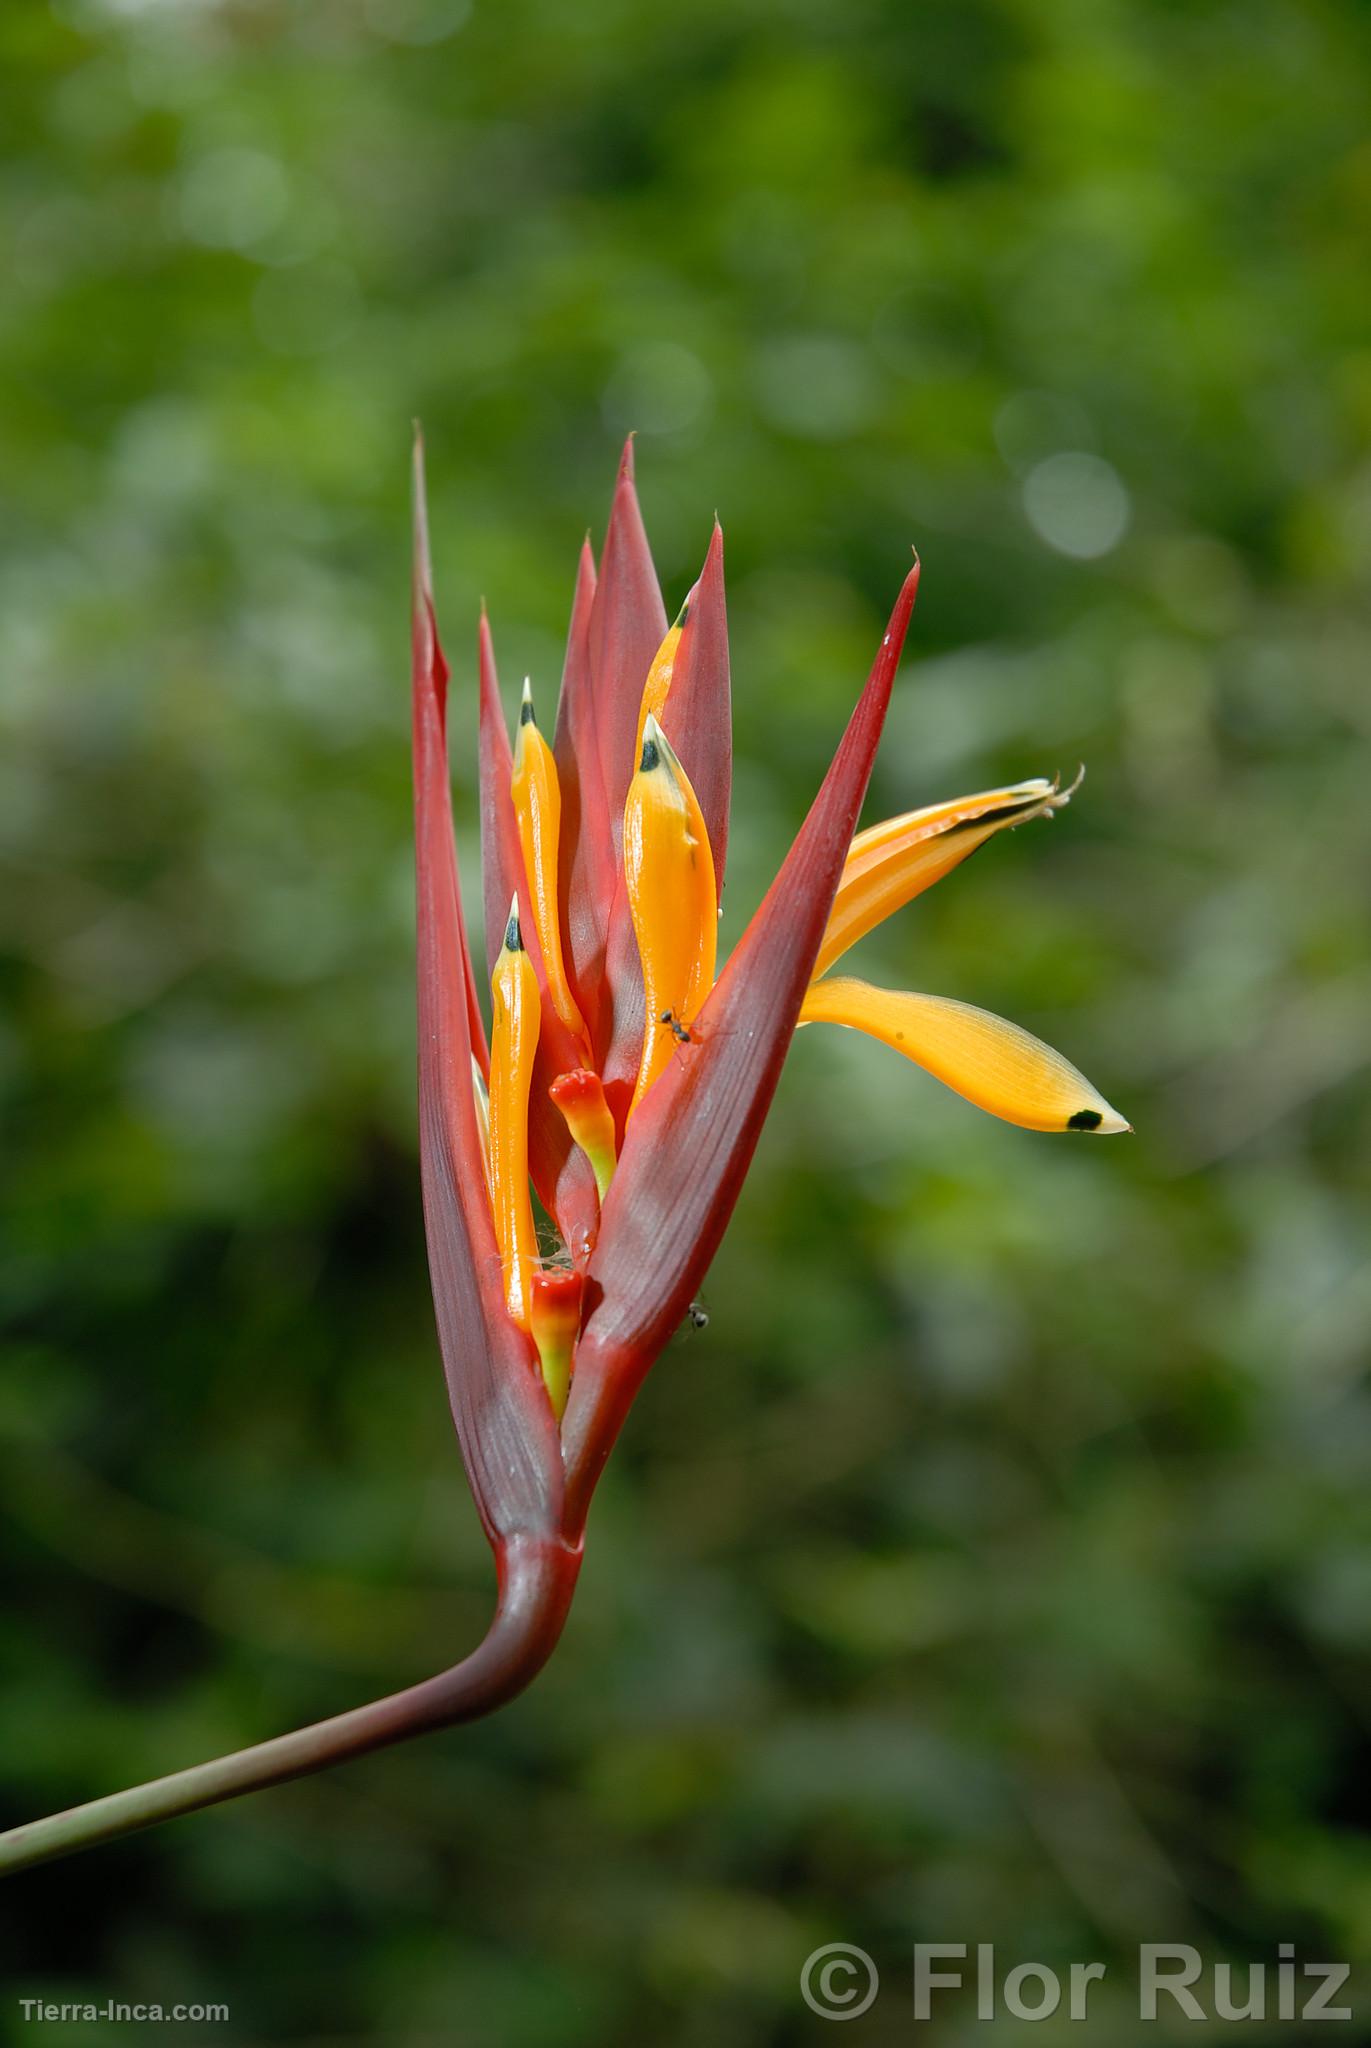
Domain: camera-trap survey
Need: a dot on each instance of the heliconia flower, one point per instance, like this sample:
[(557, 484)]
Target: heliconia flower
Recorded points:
[(613, 847), (623, 1079)]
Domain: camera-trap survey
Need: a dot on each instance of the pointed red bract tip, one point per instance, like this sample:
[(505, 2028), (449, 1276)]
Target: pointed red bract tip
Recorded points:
[(430, 669), (627, 624), (429, 672), (586, 870), (508, 1438)]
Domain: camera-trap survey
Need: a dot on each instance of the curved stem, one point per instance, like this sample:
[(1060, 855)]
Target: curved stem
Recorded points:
[(537, 1580)]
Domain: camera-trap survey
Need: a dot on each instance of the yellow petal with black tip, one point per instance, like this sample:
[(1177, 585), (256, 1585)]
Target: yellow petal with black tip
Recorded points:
[(994, 1064), (538, 813), (890, 863), (669, 875), (515, 1014)]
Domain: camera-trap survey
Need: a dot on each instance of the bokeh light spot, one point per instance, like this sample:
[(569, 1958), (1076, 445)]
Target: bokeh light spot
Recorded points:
[(231, 198), (1077, 503), (819, 386)]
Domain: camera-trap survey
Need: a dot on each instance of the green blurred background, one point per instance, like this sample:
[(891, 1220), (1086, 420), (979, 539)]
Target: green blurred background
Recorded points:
[(995, 1567)]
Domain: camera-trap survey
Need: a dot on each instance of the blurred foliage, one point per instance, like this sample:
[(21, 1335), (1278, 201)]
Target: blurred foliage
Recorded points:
[(995, 1567)]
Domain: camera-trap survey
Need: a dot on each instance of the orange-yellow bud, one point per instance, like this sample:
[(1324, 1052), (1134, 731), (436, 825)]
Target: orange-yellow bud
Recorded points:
[(556, 1310), (580, 1096)]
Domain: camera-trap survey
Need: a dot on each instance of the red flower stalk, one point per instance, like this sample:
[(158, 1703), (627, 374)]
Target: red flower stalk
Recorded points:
[(621, 1079)]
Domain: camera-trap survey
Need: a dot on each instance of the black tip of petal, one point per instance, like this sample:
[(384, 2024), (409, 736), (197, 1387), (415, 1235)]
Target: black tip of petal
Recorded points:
[(1085, 1120), (514, 939), (651, 756)]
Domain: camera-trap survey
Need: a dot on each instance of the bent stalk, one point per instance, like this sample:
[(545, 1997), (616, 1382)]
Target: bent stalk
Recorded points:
[(537, 1579)]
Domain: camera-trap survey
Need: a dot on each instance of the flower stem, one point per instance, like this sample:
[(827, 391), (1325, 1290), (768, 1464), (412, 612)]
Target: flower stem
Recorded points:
[(537, 1580)]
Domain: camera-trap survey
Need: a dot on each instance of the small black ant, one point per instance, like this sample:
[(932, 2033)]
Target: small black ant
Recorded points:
[(697, 1315), (679, 1031)]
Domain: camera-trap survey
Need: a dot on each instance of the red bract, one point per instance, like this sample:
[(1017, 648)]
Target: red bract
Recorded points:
[(506, 1428)]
